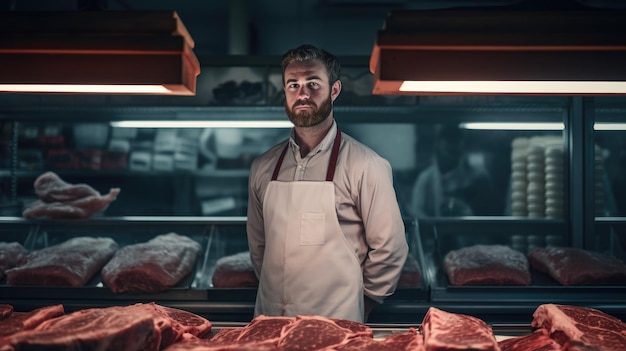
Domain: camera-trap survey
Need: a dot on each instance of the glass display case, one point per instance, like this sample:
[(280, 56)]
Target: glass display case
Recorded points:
[(193, 181)]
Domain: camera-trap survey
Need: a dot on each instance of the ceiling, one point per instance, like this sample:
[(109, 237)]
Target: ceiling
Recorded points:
[(269, 27)]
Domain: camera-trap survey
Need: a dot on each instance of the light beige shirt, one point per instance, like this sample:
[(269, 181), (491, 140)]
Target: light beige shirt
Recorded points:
[(366, 205)]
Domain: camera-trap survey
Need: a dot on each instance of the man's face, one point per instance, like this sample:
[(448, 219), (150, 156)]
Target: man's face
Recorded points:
[(308, 96)]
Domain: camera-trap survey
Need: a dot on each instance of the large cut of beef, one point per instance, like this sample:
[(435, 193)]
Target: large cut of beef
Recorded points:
[(573, 266), (20, 321), (539, 340), (153, 266), (70, 263), (315, 333), (409, 340), (235, 271), (148, 327), (581, 327), (411, 275), (486, 265), (9, 254), (445, 331), (61, 200)]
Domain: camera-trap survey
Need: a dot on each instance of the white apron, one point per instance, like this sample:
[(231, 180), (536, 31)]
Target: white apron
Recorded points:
[(308, 267)]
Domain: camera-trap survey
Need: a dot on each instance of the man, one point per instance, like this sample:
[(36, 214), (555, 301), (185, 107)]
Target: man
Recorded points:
[(324, 228)]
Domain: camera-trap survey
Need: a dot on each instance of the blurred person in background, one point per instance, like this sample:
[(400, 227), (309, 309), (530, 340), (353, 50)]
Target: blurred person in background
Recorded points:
[(452, 185)]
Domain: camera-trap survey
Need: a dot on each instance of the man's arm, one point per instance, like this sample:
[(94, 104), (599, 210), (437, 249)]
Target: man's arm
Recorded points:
[(254, 225)]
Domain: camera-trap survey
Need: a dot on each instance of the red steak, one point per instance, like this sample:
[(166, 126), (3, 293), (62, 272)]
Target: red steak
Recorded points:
[(153, 266), (444, 331), (71, 263), (581, 326)]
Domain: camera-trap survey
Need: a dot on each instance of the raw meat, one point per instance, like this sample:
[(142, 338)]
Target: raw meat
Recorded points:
[(191, 323), (206, 345), (314, 333), (235, 271), (410, 340), (9, 254), (573, 266), (113, 328), (226, 336), (153, 266), (536, 341), (581, 326), (20, 321), (5, 311), (486, 265), (71, 263), (49, 187), (84, 207), (264, 329), (411, 275), (451, 331)]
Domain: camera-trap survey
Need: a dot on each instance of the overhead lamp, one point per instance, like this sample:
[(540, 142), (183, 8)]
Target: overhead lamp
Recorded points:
[(201, 124), (114, 52), (501, 51)]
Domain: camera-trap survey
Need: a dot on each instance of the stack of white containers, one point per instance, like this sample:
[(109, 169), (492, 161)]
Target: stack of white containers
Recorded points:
[(537, 177)]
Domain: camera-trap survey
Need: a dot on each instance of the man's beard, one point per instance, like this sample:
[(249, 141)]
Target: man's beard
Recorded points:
[(308, 119)]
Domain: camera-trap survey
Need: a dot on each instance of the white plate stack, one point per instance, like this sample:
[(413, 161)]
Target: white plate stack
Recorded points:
[(554, 180), (535, 175), (519, 182)]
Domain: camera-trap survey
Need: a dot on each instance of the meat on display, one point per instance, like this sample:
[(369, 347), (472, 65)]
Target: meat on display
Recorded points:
[(61, 200), (70, 263), (5, 311), (10, 252), (538, 340), (153, 266), (235, 271), (573, 266), (486, 265), (19, 321), (452, 331), (580, 327)]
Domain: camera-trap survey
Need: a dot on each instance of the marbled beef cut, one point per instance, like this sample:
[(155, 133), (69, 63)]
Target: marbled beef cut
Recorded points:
[(9, 255), (5, 311), (486, 265), (409, 340), (191, 323), (581, 326), (153, 266), (314, 333), (20, 321), (573, 266), (235, 271), (445, 331), (70, 263), (539, 340)]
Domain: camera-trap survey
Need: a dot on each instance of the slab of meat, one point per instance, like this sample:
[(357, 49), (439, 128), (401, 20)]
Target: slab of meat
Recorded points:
[(264, 329), (153, 266), (536, 341), (84, 207), (486, 265), (226, 336), (9, 254), (410, 340), (71, 263), (49, 187), (235, 271), (581, 326), (206, 345), (451, 331), (191, 323), (5, 311), (314, 333), (411, 275), (573, 266), (20, 321), (113, 328)]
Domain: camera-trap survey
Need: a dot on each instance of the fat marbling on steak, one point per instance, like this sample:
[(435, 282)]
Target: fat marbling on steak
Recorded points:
[(486, 265), (445, 331), (581, 326), (70, 263), (574, 266), (153, 266), (539, 340), (20, 321)]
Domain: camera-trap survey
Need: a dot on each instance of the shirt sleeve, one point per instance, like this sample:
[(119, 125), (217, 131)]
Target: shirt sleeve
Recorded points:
[(384, 231), (254, 226)]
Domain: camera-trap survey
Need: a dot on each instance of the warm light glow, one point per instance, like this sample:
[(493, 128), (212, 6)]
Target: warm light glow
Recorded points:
[(516, 87), (72, 88), (202, 124), (512, 126)]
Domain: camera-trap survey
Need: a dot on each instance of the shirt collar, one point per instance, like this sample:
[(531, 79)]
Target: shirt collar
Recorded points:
[(324, 145)]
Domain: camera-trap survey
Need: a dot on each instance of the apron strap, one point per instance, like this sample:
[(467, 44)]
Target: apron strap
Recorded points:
[(332, 163)]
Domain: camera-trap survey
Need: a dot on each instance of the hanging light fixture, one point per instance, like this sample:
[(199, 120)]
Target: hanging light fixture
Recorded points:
[(501, 51), (115, 52)]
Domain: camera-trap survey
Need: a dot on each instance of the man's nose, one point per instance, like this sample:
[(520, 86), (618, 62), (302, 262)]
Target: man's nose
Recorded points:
[(303, 93)]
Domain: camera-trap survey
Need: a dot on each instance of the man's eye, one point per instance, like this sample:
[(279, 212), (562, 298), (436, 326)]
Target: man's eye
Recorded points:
[(292, 86), (314, 84)]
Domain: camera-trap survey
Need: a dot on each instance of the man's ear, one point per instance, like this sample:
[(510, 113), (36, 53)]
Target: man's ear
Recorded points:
[(335, 90)]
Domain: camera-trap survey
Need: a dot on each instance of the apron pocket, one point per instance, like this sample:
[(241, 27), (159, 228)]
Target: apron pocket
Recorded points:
[(312, 226)]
